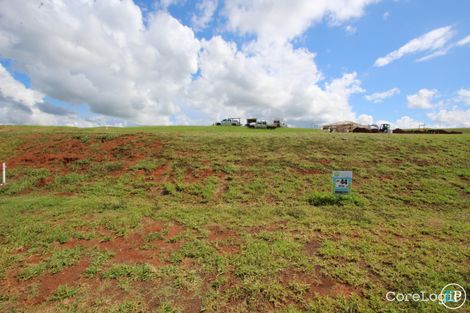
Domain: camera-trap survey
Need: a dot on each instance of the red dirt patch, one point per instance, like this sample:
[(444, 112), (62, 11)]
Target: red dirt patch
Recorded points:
[(312, 246), (217, 233), (318, 284), (59, 151), (198, 175), (54, 153), (128, 249), (161, 174), (224, 239), (190, 302), (228, 249), (222, 186), (385, 177), (69, 276)]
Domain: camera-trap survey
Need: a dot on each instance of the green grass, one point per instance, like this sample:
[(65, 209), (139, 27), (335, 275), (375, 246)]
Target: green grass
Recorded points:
[(175, 219), (63, 292)]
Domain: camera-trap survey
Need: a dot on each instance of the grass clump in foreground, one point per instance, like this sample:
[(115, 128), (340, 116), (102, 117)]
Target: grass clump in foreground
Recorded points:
[(321, 199), (63, 292), (228, 219)]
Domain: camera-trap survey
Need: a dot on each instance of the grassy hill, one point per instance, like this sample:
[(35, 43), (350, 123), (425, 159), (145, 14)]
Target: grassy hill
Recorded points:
[(227, 219)]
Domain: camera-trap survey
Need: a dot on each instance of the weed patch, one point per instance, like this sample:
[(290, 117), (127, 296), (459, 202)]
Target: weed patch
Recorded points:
[(322, 199)]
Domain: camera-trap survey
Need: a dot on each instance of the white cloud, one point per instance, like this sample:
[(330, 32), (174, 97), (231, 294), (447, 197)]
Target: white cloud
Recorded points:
[(365, 119), (351, 30), (165, 4), (433, 41), (381, 96), (270, 80), (22, 105), (284, 20), (465, 41), (206, 10), (386, 15), (435, 54), (422, 100), (445, 50), (12, 90), (406, 122), (463, 96), (451, 118), (403, 122), (100, 53)]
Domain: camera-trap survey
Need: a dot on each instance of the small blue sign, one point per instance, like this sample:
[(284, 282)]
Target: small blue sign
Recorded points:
[(342, 181)]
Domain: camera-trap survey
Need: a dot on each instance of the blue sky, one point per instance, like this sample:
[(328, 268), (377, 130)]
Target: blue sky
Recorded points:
[(313, 62)]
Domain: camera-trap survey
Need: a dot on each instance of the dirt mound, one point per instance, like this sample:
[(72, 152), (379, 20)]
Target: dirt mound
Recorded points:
[(427, 131), (364, 130)]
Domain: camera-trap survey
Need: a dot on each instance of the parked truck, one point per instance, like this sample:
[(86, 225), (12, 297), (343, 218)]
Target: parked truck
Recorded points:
[(231, 121), (262, 124)]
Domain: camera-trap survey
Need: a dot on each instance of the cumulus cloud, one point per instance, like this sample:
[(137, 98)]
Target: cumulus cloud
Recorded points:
[(101, 54), (406, 122), (22, 105), (365, 119), (269, 80), (381, 96), (451, 118), (287, 19), (463, 96), (422, 100), (403, 122), (434, 41), (206, 10)]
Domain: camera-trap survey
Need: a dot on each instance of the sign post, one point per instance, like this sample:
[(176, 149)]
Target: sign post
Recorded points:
[(342, 182)]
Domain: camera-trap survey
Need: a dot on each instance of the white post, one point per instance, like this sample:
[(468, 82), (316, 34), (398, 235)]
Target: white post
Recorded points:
[(4, 168)]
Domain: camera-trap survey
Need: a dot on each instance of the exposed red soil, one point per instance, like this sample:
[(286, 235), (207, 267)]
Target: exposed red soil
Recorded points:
[(126, 249), (198, 175), (59, 151), (318, 284), (34, 259), (161, 174), (228, 248), (225, 239), (312, 246), (69, 276), (385, 177), (189, 302), (53, 154), (217, 233), (325, 161), (174, 230)]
